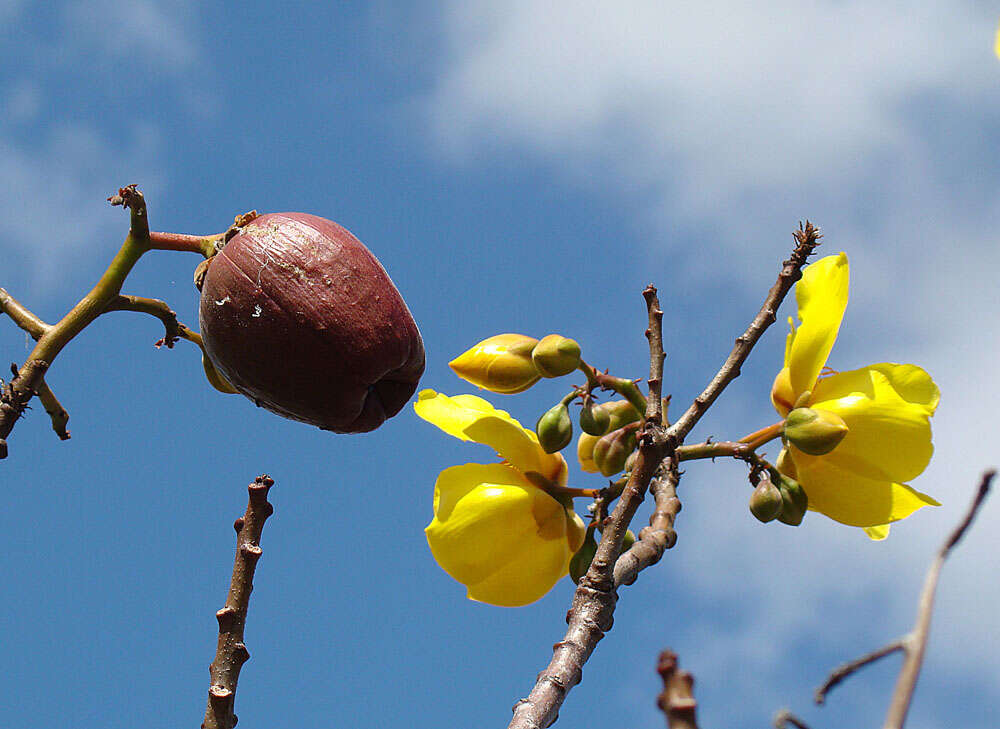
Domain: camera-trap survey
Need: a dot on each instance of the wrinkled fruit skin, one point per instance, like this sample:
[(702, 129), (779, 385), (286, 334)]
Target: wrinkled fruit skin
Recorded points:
[(301, 318)]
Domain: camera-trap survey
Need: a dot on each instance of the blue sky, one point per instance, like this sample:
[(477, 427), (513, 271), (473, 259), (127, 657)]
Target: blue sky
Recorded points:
[(517, 166)]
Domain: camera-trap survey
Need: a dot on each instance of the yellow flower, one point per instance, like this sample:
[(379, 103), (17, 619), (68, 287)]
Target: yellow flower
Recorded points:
[(886, 408), (494, 530), (499, 364)]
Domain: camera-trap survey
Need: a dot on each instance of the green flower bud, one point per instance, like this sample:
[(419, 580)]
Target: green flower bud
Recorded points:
[(580, 562), (622, 412), (816, 432), (612, 450), (554, 429), (555, 356), (766, 501), (594, 420), (628, 541), (794, 502)]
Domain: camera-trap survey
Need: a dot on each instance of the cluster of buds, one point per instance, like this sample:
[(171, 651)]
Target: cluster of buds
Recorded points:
[(780, 497), (511, 363)]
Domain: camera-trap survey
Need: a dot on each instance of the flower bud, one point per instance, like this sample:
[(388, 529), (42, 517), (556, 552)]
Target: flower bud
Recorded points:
[(555, 356), (794, 502), (612, 450), (594, 420), (766, 501), (815, 432), (580, 562), (499, 364), (554, 429), (628, 541), (621, 412)]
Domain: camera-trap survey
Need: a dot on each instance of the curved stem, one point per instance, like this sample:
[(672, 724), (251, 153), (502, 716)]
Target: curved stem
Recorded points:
[(625, 388), (759, 437)]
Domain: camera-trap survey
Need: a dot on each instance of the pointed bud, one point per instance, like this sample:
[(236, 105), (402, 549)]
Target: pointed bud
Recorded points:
[(594, 420), (794, 502), (628, 541), (766, 501), (580, 562), (815, 432), (613, 449), (499, 364), (554, 429), (555, 356)]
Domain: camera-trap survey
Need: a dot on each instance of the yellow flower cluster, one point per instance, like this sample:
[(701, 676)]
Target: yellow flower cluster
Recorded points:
[(885, 407)]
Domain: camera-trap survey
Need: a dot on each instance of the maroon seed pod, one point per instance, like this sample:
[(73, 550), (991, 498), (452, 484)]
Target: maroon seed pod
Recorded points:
[(301, 318)]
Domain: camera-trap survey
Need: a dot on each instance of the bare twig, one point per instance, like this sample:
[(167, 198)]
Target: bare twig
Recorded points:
[(913, 644), (676, 700), (784, 717), (231, 653), (591, 613), (174, 330), (56, 411), (654, 333), (846, 669), (21, 316)]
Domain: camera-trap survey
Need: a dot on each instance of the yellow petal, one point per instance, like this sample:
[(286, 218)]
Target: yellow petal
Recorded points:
[(822, 299), (468, 417), (855, 500), (888, 438), (585, 452), (504, 539), (877, 533)]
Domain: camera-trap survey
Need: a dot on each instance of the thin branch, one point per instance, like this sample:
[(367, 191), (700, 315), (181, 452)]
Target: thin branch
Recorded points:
[(676, 700), (21, 316), (57, 413), (654, 333), (231, 652), (784, 717), (592, 611), (174, 330), (916, 641), (846, 669)]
